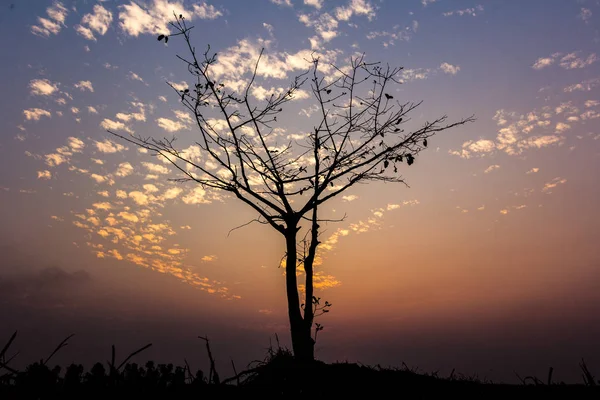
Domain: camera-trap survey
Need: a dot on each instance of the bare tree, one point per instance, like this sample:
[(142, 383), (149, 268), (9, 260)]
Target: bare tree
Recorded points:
[(359, 138)]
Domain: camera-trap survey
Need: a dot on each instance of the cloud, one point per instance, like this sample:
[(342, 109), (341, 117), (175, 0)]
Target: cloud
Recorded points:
[(209, 258), (75, 144), (124, 169), (127, 216), (390, 37), (287, 3), (44, 174), (325, 25), (552, 184), (584, 86), (170, 125), (34, 114), (108, 146), (171, 193), (195, 196), (585, 14), (111, 125), (449, 68), (426, 2), (532, 171), (42, 87), (478, 148), (154, 17), (53, 160), (206, 11), (349, 198), (156, 168), (92, 110), (57, 14), (135, 77), (99, 21), (491, 168), (46, 288), (568, 61), (572, 61), (314, 3), (84, 85), (355, 7), (140, 198), (561, 127), (467, 11), (409, 75)]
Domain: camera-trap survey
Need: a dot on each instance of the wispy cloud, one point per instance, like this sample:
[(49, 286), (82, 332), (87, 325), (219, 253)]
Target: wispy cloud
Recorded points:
[(57, 13), (97, 22)]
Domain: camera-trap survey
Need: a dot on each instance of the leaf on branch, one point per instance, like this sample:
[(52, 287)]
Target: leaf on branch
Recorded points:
[(328, 91), (166, 39), (161, 37), (409, 159), (388, 96), (399, 120), (386, 164), (425, 142)]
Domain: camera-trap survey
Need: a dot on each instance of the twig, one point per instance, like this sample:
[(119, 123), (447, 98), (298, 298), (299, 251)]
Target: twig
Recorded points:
[(213, 375), (7, 345), (60, 346), (133, 354), (235, 372)]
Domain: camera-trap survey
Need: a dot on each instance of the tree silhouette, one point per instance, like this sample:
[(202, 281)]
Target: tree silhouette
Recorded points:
[(359, 138)]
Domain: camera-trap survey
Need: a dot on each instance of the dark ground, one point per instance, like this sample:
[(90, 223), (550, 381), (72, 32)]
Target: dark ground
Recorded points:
[(278, 376)]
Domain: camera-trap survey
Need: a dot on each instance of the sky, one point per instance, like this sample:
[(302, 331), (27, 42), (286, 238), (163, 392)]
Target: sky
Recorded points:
[(488, 262)]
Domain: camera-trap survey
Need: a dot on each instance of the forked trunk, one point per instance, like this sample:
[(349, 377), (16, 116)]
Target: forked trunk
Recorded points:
[(302, 343)]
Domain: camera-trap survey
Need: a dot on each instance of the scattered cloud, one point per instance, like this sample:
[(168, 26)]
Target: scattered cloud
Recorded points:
[(449, 68), (108, 146), (467, 11), (532, 170), (154, 16), (34, 114), (42, 87), (355, 7), (57, 13), (170, 125), (286, 3), (552, 184), (124, 169), (567, 61), (99, 21), (584, 86), (84, 85), (585, 14), (111, 125), (44, 174), (135, 77), (491, 168), (318, 4)]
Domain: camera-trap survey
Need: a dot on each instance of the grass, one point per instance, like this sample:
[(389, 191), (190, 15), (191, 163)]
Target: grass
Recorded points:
[(278, 375)]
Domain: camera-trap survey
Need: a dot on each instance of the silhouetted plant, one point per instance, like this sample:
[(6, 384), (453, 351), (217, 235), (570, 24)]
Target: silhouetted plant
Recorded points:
[(359, 138)]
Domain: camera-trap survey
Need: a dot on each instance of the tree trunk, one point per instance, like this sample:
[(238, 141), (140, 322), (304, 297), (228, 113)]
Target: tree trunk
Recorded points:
[(302, 342)]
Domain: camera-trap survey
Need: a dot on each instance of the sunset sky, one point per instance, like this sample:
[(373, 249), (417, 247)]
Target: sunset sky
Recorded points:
[(488, 263)]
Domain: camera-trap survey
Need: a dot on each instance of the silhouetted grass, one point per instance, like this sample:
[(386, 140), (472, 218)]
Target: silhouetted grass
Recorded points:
[(278, 375)]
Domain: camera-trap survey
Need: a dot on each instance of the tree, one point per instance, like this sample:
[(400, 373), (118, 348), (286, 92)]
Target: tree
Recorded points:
[(359, 138)]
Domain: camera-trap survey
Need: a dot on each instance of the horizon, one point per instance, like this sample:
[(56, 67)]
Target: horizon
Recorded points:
[(487, 263)]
